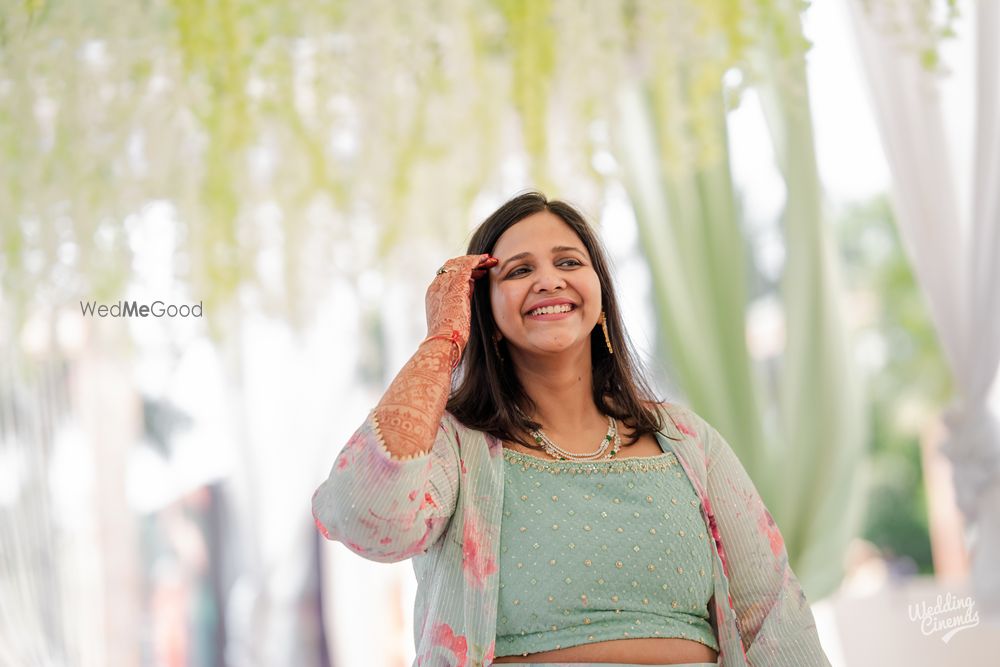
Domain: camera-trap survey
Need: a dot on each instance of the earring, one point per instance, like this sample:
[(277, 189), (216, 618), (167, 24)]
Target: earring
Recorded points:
[(607, 339), (496, 349)]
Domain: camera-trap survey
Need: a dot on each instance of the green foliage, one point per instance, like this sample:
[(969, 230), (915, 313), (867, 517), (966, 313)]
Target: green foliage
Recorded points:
[(896, 516), (920, 25), (908, 377), (531, 39), (389, 115)]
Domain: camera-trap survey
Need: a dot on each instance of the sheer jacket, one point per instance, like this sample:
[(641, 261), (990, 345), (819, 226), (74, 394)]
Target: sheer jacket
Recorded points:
[(444, 509)]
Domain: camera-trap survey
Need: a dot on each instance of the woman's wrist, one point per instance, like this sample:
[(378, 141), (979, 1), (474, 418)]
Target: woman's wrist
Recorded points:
[(454, 338)]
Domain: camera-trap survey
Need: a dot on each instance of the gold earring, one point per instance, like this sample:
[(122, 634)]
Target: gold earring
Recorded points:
[(496, 348), (607, 339)]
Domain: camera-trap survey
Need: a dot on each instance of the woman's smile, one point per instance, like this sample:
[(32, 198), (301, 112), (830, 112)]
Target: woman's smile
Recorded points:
[(552, 313)]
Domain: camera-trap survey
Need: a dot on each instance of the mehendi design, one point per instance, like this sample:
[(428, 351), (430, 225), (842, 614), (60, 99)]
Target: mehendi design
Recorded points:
[(410, 411)]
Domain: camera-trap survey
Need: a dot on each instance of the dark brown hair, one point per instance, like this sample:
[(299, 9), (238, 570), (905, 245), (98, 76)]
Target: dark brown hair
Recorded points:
[(487, 391)]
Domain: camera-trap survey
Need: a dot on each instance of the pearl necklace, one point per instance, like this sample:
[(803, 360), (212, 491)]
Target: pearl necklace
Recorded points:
[(601, 453)]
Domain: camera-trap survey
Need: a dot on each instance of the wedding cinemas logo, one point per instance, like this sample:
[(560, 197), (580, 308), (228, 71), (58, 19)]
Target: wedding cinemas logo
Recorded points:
[(136, 309), (949, 614)]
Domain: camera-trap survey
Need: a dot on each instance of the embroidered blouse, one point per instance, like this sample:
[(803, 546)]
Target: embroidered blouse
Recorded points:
[(591, 551)]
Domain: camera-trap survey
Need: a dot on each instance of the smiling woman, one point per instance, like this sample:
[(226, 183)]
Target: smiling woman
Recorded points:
[(520, 364), (554, 508)]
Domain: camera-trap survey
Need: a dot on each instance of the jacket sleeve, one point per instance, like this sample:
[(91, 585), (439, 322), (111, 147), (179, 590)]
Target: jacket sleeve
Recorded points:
[(384, 509), (772, 614)]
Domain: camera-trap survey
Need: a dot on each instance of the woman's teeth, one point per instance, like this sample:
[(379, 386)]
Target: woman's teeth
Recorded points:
[(547, 310)]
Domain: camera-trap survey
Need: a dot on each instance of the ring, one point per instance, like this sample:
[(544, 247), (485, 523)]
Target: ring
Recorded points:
[(443, 269)]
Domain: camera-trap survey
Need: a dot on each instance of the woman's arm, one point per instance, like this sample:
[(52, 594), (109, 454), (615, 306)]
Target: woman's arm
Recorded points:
[(773, 616), (393, 487)]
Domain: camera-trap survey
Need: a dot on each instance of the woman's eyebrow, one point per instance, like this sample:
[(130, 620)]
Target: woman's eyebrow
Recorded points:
[(522, 255)]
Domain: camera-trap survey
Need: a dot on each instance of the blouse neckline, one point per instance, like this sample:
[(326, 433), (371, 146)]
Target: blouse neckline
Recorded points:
[(630, 463)]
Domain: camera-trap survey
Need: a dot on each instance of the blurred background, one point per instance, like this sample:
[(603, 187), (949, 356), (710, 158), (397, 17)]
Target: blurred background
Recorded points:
[(801, 200)]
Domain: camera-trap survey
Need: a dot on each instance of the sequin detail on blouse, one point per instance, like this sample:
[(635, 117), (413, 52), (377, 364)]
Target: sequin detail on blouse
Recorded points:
[(592, 551)]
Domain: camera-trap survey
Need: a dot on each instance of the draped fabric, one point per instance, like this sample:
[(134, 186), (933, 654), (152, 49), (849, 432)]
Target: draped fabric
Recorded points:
[(805, 456), (956, 255)]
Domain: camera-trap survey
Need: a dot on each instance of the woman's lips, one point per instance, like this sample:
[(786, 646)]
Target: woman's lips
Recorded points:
[(552, 316)]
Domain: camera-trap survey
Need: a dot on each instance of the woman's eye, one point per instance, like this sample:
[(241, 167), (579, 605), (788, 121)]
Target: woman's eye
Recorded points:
[(522, 269)]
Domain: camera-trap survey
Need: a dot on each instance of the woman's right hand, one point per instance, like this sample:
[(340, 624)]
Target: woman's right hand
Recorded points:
[(449, 297)]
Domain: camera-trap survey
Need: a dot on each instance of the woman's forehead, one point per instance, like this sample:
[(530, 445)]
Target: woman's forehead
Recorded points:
[(537, 234)]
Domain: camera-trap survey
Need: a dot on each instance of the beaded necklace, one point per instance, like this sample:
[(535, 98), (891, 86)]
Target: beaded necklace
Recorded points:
[(601, 453)]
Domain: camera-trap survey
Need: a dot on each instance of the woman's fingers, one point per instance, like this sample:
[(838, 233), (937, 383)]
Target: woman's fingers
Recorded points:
[(450, 293), (484, 265)]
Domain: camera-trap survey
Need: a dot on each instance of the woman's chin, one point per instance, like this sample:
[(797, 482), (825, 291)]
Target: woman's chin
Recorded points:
[(553, 347)]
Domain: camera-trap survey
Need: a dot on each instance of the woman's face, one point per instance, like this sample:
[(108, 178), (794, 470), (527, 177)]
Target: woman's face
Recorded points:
[(544, 263)]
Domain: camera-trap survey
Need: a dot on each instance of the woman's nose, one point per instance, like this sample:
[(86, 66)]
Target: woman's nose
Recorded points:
[(548, 280)]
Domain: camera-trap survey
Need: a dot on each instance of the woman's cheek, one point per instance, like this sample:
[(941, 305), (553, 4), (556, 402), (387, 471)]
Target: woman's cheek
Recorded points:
[(503, 313)]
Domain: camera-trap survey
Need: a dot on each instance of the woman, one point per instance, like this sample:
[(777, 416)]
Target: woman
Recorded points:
[(555, 512)]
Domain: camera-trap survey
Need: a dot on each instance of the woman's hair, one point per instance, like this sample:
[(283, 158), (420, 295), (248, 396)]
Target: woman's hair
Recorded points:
[(488, 394)]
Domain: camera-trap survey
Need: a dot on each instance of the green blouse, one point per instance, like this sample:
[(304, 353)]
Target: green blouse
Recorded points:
[(592, 551)]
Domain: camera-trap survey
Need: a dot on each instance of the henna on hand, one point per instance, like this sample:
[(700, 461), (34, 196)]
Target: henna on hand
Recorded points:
[(408, 415)]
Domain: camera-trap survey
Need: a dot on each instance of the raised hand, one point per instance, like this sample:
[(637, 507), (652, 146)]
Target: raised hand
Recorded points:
[(411, 408), (449, 297)]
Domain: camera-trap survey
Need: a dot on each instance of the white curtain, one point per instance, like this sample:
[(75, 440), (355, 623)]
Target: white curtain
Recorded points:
[(955, 249)]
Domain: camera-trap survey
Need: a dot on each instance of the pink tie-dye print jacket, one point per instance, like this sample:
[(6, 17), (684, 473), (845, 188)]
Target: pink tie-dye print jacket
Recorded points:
[(444, 510)]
